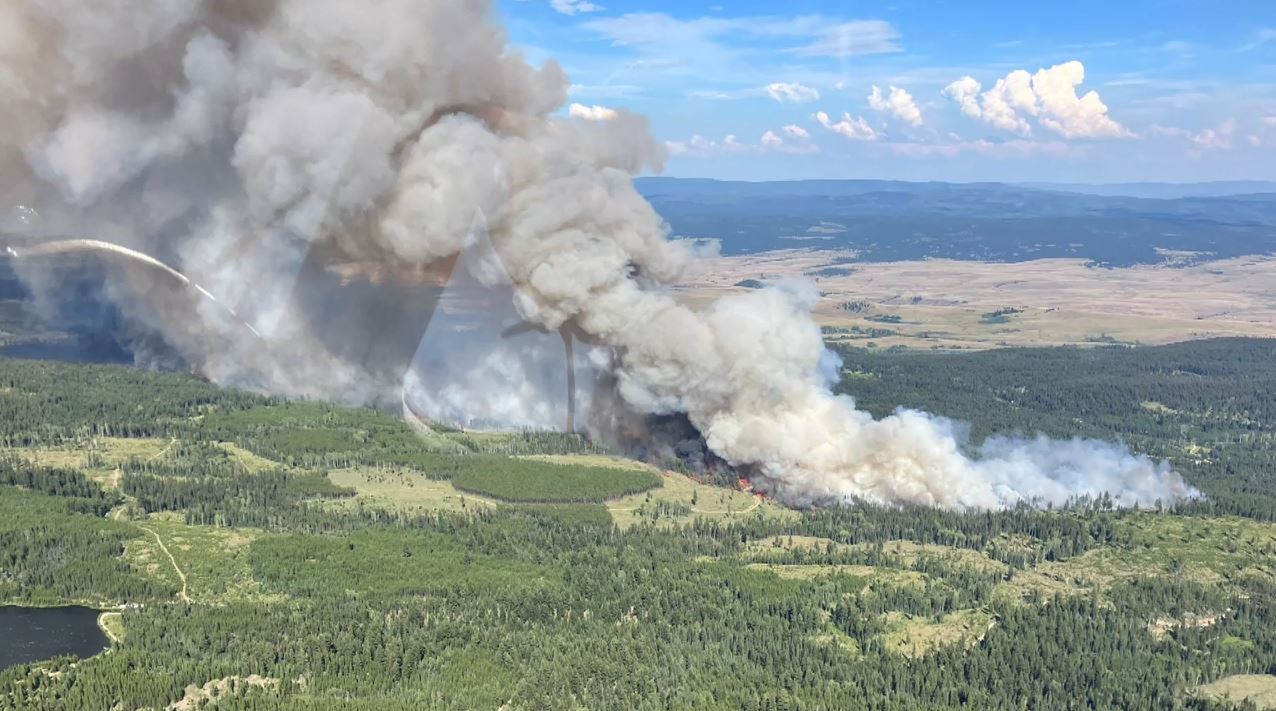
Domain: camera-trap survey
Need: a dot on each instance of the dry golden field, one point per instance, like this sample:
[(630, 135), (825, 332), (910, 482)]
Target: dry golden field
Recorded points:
[(951, 304)]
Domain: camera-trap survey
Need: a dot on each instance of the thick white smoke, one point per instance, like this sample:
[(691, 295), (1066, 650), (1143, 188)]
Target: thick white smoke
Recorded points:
[(245, 141)]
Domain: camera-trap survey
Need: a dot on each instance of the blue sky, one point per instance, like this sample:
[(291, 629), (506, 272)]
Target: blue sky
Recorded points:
[(1120, 90)]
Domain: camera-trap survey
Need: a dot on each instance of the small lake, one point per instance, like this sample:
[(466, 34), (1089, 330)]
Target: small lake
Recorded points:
[(35, 634)]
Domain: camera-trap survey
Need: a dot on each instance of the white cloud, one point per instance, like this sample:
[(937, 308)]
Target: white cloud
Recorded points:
[(731, 144), (797, 132), (1218, 138), (1270, 121), (1017, 148), (696, 145), (900, 104), (572, 7), (700, 146), (799, 143), (789, 93), (1012, 94), (965, 91), (1049, 96), (856, 129), (1067, 114), (592, 113), (854, 38), (770, 142), (713, 94)]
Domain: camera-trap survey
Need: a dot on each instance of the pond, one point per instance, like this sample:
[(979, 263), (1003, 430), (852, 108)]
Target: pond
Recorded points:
[(35, 634)]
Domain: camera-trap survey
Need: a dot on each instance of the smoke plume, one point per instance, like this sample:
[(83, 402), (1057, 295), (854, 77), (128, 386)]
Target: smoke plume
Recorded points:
[(254, 145)]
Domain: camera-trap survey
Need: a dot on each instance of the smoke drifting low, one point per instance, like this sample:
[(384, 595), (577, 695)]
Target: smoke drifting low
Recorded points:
[(250, 143)]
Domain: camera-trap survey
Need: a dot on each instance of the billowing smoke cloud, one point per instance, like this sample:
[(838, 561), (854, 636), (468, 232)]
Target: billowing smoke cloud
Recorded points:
[(256, 145)]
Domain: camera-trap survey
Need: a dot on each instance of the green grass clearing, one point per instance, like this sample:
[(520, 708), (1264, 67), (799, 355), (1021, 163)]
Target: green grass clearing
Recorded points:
[(99, 458), (402, 490), (913, 637), (534, 481), (252, 462), (682, 500), (112, 625), (214, 560), (1257, 689)]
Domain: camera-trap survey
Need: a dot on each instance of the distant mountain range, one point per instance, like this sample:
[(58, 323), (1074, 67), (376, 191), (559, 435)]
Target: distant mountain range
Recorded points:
[(1114, 225), (1163, 191)]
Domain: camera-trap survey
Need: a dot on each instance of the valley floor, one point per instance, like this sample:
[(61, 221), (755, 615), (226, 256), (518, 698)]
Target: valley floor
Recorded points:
[(948, 304)]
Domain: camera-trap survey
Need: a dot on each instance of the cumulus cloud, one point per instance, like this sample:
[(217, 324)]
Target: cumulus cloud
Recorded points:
[(1217, 138), (899, 104), (854, 128), (1048, 97), (700, 146), (593, 113), (1220, 138), (573, 7), (789, 93), (797, 132), (797, 143), (965, 91)]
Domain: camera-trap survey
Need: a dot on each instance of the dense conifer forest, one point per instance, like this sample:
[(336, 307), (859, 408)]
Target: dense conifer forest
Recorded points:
[(264, 556)]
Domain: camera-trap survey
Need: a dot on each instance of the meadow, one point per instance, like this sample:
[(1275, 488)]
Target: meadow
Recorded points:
[(537, 481)]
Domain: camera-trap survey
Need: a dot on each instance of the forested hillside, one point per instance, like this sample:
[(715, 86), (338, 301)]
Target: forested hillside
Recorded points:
[(1209, 407), (891, 220), (274, 555)]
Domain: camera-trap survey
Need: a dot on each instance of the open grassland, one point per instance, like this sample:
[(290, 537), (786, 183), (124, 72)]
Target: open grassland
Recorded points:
[(676, 499), (1215, 552), (249, 461), (145, 555), (403, 490), (1220, 554), (112, 625), (534, 481), (100, 458), (912, 636), (944, 304), (1256, 689), (681, 500), (214, 561)]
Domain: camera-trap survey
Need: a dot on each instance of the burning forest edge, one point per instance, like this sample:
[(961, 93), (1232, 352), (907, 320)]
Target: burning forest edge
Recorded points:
[(272, 146)]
